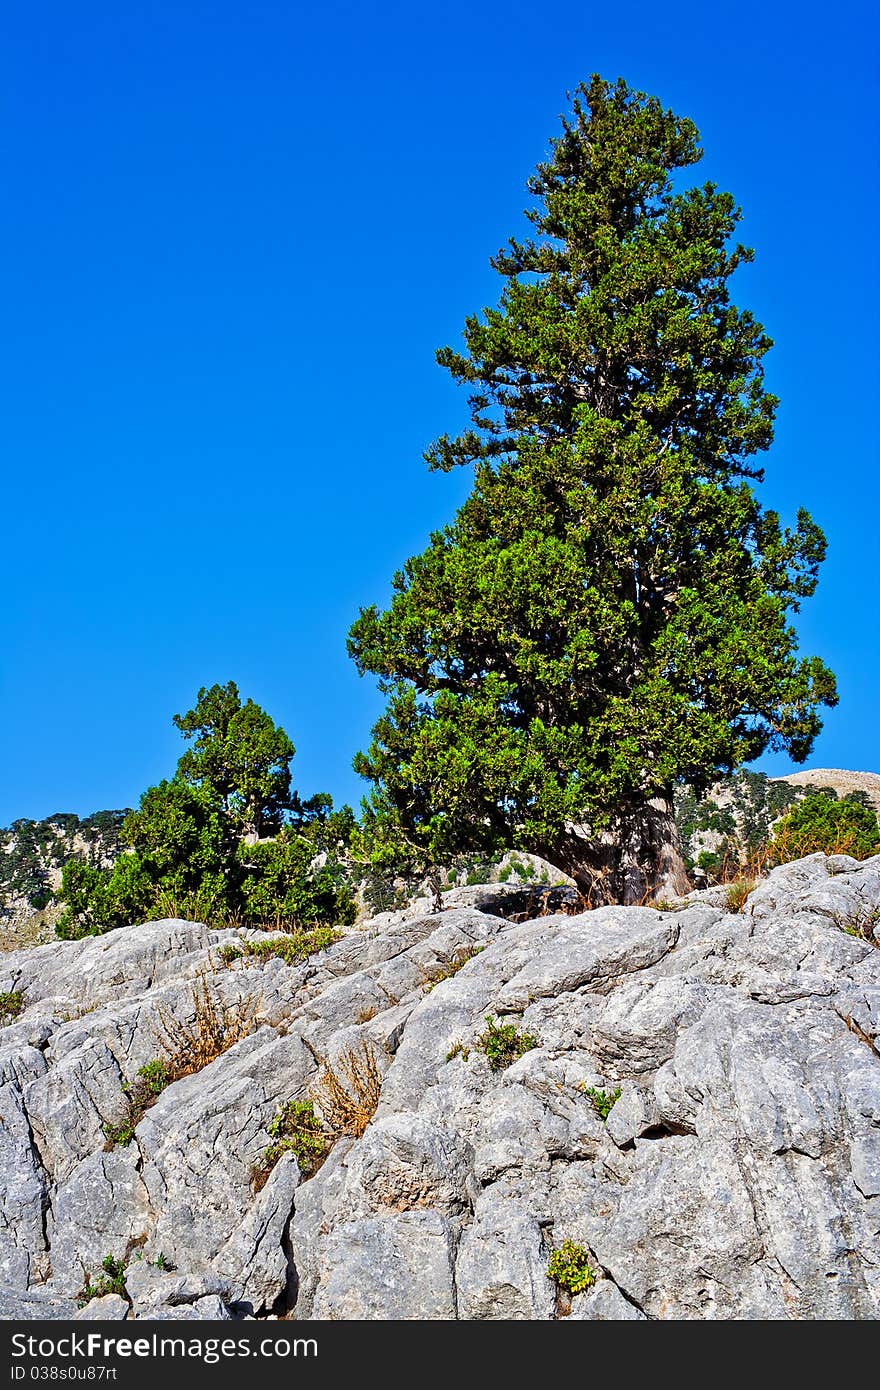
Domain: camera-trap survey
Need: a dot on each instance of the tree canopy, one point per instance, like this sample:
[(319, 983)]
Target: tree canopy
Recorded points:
[(822, 823), (609, 613), (225, 836)]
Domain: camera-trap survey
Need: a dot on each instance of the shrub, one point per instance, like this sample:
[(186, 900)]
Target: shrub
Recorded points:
[(191, 1044), (479, 874), (112, 1280), (737, 892), (296, 1129), (151, 1082), (11, 1005), (821, 823), (569, 1268), (503, 1043), (603, 1101), (293, 948), (347, 1094), (225, 835), (281, 877)]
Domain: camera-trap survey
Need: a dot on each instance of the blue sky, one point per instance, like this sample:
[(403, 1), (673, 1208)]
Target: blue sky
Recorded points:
[(233, 236)]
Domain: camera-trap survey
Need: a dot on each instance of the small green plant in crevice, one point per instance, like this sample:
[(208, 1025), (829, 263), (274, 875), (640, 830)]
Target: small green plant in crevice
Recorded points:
[(112, 1280), (603, 1101), (860, 923), (503, 1043), (296, 1129), (139, 1096), (478, 875), (569, 1268), (737, 892), (458, 1050), (451, 968), (293, 948), (11, 1005)]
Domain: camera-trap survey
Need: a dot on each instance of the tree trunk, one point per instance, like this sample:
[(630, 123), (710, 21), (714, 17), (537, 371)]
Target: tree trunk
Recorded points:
[(636, 860)]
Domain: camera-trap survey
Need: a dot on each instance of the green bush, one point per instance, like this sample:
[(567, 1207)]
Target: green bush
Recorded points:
[(569, 1268), (225, 837), (112, 1280), (140, 1095), (603, 1101), (11, 1005), (279, 881), (821, 823), (296, 1129), (503, 1043)]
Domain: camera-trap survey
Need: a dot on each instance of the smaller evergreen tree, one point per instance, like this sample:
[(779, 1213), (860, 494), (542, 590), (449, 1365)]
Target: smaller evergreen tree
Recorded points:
[(820, 823), (225, 835)]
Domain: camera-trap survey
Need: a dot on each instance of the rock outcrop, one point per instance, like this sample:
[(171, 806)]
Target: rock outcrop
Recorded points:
[(737, 1174)]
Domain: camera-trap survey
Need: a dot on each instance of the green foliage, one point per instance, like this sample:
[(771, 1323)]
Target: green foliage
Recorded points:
[(603, 1101), (569, 1268), (140, 1095), (503, 1043), (745, 822), (98, 900), (112, 1280), (30, 850), (11, 1005), (240, 757), (292, 948), (194, 846), (608, 614), (823, 824), (279, 879), (296, 1129), (478, 875)]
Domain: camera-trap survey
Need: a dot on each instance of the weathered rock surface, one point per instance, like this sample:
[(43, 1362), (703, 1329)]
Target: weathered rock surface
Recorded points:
[(737, 1175)]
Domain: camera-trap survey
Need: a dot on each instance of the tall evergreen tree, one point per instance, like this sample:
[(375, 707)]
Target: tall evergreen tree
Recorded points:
[(608, 615)]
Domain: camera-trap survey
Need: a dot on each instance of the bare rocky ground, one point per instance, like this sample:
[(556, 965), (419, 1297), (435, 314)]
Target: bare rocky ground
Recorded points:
[(737, 1175)]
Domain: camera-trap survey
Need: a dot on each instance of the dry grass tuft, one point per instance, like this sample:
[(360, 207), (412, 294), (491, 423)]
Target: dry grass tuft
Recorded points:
[(192, 1044), (347, 1093), (737, 892)]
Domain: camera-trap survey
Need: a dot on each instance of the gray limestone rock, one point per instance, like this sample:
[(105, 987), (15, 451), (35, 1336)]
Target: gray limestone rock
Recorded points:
[(100, 1209), (737, 1176), (501, 1270), (398, 1266), (253, 1264), (110, 1308), (604, 1303)]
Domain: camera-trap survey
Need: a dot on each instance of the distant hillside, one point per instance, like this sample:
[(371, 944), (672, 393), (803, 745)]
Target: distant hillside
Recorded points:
[(32, 855), (843, 782), (736, 816)]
